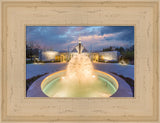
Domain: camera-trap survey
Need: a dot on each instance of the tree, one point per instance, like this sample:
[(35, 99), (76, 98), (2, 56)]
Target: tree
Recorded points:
[(32, 47), (107, 49), (121, 49)]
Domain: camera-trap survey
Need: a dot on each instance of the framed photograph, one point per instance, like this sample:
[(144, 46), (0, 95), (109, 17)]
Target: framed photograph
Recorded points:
[(66, 61), (79, 61)]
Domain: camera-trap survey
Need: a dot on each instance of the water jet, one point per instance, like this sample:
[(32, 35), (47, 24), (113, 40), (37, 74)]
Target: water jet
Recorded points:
[(80, 79)]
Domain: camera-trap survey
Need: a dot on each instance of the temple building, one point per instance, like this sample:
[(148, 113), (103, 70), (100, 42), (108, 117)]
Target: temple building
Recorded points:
[(54, 56), (79, 48)]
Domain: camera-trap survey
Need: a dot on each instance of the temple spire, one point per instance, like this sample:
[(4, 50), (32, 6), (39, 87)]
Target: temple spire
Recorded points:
[(79, 46), (79, 41)]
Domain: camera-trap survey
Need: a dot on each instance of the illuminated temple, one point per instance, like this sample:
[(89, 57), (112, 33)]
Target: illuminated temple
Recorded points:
[(54, 56)]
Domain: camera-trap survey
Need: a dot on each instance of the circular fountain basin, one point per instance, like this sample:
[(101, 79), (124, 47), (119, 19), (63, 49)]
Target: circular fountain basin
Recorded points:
[(104, 85)]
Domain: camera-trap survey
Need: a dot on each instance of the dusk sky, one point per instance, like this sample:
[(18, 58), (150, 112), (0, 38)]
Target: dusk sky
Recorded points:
[(60, 38)]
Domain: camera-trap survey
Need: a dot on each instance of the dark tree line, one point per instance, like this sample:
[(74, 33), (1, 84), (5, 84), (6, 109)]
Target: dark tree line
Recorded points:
[(32, 50)]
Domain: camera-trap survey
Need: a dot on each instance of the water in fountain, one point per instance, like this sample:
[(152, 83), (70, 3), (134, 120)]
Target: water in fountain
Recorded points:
[(80, 68), (80, 80)]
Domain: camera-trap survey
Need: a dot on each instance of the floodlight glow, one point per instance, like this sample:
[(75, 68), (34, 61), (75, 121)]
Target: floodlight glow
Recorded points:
[(93, 76)]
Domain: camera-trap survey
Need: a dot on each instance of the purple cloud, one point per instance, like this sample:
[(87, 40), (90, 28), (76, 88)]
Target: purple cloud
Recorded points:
[(62, 37)]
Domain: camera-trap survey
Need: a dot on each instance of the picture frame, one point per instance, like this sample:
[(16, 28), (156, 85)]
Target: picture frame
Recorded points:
[(17, 14)]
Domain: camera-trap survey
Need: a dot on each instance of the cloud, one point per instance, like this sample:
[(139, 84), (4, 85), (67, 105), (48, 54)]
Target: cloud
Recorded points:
[(62, 37), (125, 33), (96, 37)]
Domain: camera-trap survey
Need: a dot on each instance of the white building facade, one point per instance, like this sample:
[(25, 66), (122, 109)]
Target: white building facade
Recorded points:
[(107, 56)]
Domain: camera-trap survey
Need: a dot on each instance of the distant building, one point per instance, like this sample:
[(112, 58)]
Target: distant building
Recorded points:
[(109, 56), (48, 55)]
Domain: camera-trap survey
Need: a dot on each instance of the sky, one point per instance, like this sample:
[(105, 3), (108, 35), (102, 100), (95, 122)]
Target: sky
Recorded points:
[(95, 38)]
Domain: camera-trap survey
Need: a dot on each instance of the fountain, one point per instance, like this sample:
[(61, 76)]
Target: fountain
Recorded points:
[(79, 80)]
